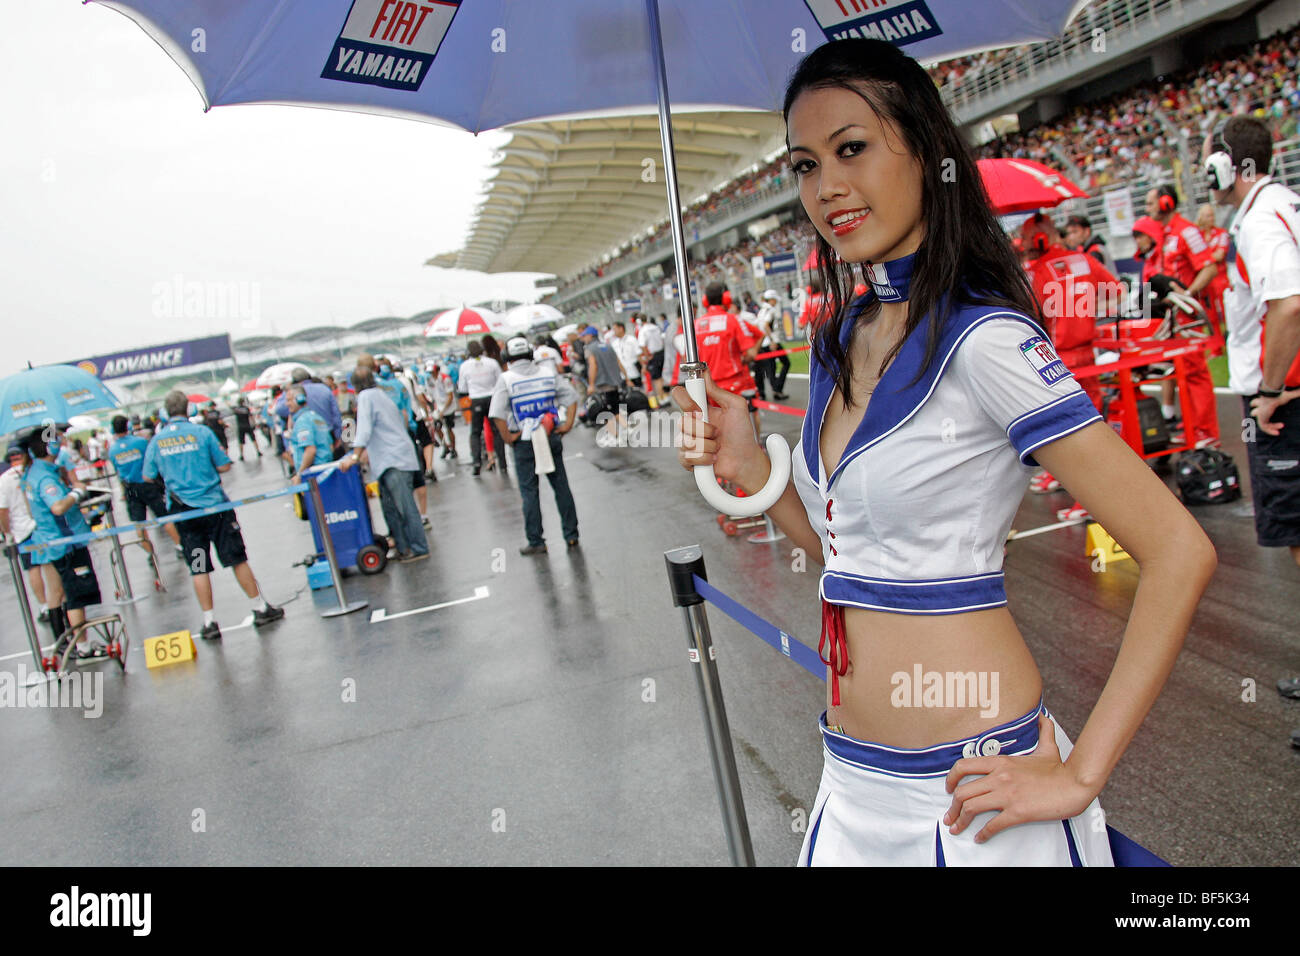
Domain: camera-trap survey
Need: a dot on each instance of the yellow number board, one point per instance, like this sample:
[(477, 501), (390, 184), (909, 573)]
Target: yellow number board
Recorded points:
[(169, 649)]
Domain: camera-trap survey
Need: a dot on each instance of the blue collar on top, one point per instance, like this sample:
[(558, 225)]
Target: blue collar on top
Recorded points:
[(894, 400), (891, 281)]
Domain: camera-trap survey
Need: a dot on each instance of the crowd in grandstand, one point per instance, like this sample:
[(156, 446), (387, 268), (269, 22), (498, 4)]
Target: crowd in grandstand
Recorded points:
[(1130, 136)]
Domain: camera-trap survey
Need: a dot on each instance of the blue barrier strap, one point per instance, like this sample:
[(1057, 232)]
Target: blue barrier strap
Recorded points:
[(797, 651), (1124, 852), (75, 539)]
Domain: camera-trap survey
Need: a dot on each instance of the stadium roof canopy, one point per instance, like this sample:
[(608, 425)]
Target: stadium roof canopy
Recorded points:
[(568, 191), (314, 334), (255, 342), (384, 324)]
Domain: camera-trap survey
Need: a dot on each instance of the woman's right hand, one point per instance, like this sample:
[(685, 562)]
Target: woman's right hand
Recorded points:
[(726, 441)]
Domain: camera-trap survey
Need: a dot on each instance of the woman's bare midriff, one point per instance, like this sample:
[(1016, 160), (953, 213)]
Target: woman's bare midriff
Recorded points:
[(975, 673)]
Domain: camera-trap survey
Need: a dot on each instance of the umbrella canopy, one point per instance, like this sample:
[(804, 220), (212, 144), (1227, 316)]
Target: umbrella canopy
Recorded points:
[(228, 386), (52, 393), (563, 331), (280, 374), (465, 322), (198, 398), (1022, 185), (523, 317), (488, 63)]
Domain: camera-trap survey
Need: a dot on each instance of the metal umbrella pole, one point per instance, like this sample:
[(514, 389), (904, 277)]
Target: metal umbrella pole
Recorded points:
[(692, 367), (29, 625), (692, 370), (318, 507), (683, 565)]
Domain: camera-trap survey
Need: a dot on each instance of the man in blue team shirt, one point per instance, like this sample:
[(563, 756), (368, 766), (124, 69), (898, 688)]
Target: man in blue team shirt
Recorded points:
[(310, 441), (57, 514), (190, 462), (126, 452), (319, 398)]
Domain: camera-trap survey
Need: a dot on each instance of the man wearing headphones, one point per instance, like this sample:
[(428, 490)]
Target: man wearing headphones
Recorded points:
[(1068, 285), (1262, 309), (1189, 261)]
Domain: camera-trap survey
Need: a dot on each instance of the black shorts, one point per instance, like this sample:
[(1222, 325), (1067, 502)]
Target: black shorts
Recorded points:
[(1275, 478), (221, 529), (656, 365), (422, 437), (450, 419), (25, 557), (140, 495), (80, 586)]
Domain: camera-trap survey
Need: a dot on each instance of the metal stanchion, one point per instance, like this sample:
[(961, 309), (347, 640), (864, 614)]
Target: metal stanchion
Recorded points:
[(318, 509), (119, 556), (770, 531), (29, 624), (683, 563)]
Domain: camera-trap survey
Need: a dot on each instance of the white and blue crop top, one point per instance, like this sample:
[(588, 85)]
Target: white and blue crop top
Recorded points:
[(915, 517)]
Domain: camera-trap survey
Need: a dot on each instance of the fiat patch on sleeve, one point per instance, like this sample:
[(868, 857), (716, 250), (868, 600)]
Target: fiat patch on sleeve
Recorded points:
[(1042, 358)]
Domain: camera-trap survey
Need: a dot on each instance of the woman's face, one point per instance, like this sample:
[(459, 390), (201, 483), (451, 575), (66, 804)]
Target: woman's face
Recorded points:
[(857, 181)]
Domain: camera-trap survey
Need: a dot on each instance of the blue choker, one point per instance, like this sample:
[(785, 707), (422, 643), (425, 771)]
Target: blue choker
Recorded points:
[(891, 280)]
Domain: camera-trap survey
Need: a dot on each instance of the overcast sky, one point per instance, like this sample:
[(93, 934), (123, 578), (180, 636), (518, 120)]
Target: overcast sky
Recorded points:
[(118, 191)]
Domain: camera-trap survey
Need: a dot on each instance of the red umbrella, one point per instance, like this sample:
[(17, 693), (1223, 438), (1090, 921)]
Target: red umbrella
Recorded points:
[(465, 322), (198, 398), (1022, 185)]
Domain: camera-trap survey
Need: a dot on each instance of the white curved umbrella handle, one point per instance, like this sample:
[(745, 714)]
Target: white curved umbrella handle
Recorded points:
[(778, 452)]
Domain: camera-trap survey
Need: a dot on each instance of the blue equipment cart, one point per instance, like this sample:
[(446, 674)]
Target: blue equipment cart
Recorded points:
[(347, 516)]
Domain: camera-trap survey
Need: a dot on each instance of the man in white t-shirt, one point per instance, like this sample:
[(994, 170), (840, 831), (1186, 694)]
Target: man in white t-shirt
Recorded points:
[(442, 398), (1262, 312), (478, 378), (651, 339), (629, 353), (16, 521), (765, 370)]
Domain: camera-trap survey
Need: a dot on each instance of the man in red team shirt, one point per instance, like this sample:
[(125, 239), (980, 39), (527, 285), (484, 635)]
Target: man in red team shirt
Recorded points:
[(725, 345), (1217, 240), (1189, 261), (1068, 285)]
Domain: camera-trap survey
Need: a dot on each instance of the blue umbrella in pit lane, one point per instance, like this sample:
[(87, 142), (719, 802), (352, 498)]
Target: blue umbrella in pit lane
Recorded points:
[(51, 394), (483, 64)]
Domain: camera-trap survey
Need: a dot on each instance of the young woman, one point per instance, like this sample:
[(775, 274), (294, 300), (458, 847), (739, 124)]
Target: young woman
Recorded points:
[(932, 396)]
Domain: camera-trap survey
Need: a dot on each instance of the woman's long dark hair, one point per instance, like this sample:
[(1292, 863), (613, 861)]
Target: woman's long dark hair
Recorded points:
[(964, 257)]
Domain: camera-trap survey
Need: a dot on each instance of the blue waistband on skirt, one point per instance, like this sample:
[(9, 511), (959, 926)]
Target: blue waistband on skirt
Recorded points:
[(1019, 736)]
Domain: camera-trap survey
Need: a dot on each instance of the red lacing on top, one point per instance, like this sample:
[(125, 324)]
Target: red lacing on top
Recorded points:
[(833, 632), (829, 502)]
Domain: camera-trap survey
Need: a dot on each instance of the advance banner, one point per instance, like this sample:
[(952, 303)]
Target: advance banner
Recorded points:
[(157, 358)]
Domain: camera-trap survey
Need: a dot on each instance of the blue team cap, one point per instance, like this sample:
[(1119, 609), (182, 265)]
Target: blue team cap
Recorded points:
[(589, 330)]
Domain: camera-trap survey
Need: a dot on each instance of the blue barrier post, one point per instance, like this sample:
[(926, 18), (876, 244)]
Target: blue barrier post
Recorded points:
[(683, 565)]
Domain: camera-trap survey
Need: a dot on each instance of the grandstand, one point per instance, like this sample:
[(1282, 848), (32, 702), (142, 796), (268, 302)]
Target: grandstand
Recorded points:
[(1119, 103)]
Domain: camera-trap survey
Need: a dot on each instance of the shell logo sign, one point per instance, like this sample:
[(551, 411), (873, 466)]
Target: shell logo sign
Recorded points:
[(88, 366)]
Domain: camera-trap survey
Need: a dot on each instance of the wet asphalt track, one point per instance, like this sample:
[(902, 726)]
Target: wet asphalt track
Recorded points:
[(515, 729)]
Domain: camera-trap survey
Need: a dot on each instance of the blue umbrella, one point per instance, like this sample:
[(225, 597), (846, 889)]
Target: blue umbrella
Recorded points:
[(481, 64), (52, 393)]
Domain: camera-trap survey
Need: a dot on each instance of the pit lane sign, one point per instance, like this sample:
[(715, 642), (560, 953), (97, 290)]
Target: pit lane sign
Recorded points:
[(157, 358)]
